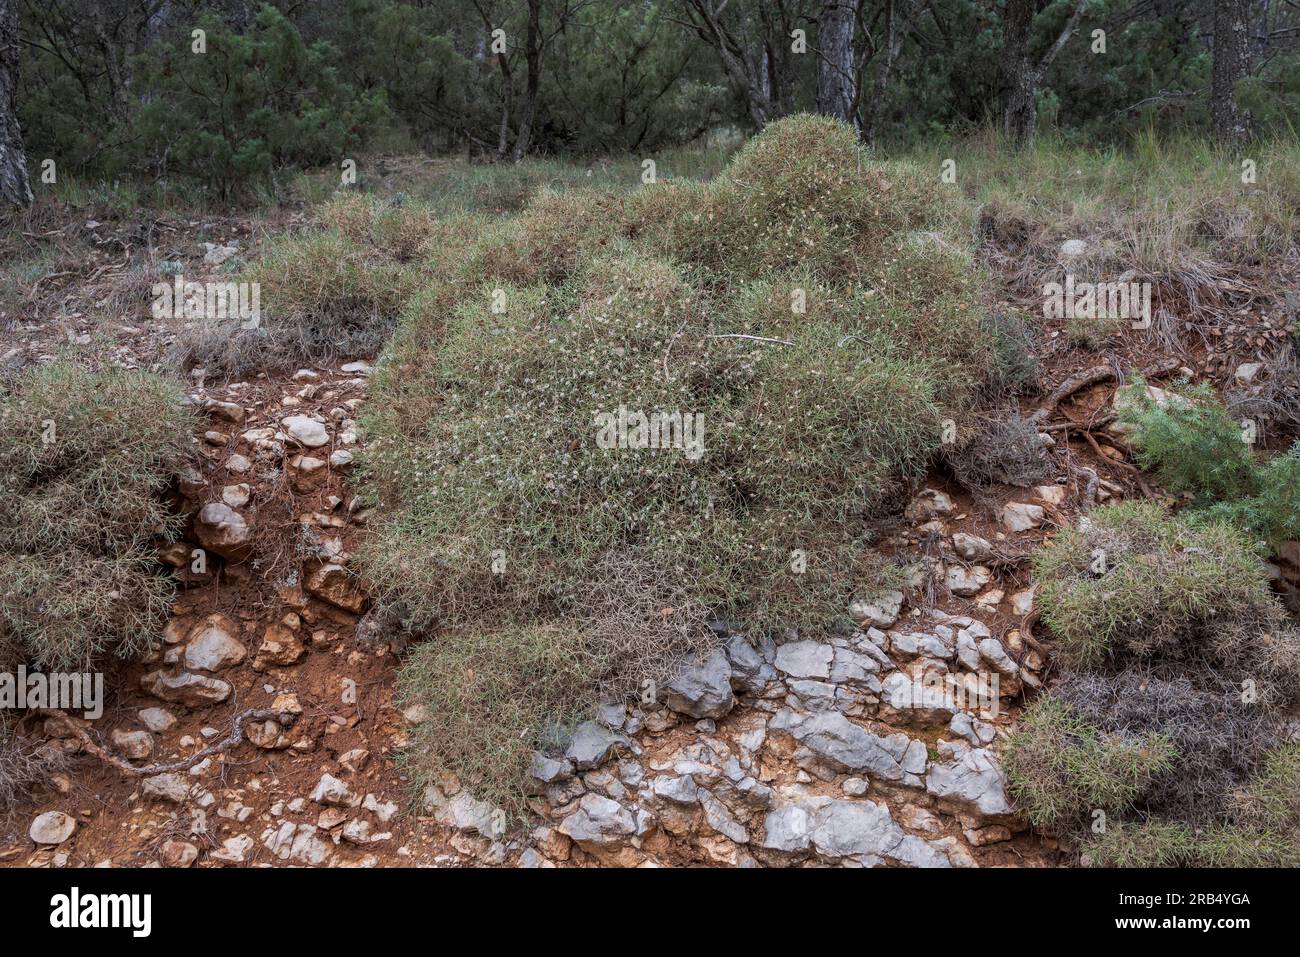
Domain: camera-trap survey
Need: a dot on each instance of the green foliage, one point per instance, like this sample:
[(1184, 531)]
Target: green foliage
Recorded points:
[(1168, 629), (1190, 442), (84, 458), (254, 102), (1061, 768), (1195, 446)]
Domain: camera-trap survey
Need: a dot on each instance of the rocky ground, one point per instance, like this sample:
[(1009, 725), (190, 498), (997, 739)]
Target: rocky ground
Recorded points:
[(808, 753)]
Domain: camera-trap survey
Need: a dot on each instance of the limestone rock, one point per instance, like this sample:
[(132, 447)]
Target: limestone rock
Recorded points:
[(52, 827), (702, 689), (187, 688), (222, 530)]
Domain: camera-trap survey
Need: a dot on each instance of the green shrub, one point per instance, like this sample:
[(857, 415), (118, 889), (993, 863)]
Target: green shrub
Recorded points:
[(1135, 583), (1150, 843), (1190, 443), (322, 296), (1169, 633), (84, 458), (1195, 446), (255, 102)]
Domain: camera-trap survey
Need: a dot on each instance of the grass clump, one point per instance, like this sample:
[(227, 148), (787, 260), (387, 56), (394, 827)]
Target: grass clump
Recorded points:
[(23, 765), (1195, 446), (795, 398), (84, 457), (323, 294)]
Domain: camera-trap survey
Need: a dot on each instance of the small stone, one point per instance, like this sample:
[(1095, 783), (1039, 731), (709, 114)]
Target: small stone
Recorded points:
[(1247, 371), (929, 504), (331, 791), (1051, 494), (1021, 517), (52, 827), (279, 646), (306, 431), (880, 610), (967, 581), (178, 853), (332, 583), (593, 744), (222, 530), (971, 547), (187, 688), (212, 646), (133, 744), (167, 787), (236, 496), (157, 719), (1074, 247), (340, 459)]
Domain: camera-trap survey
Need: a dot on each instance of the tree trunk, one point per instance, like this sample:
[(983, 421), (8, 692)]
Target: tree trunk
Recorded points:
[(14, 187), (533, 55), (1023, 74), (1231, 64), (837, 94), (1020, 115), (895, 12)]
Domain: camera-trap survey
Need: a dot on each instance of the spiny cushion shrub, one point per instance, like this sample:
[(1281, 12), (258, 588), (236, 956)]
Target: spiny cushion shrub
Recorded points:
[(1260, 829), (1063, 767), (1178, 666), (84, 457), (802, 193), (1133, 582), (1195, 446), (322, 295), (806, 345)]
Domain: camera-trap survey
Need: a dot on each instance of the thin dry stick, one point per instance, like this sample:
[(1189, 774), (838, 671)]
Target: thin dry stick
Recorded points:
[(737, 335), (235, 737)]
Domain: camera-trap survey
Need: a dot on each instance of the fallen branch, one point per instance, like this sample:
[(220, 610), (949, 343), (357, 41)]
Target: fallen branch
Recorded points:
[(1090, 377), (235, 737)]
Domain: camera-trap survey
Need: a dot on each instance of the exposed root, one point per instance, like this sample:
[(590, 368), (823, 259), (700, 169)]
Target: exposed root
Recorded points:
[(122, 764)]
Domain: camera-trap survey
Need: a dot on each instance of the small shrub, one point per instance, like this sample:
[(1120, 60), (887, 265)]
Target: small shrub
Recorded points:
[(1016, 369), (1217, 737), (1061, 767), (84, 458), (1190, 442), (22, 766), (1134, 583), (792, 305), (1149, 843), (997, 448), (322, 296), (1195, 446)]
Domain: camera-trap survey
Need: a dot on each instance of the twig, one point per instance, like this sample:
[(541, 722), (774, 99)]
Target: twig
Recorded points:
[(737, 335)]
